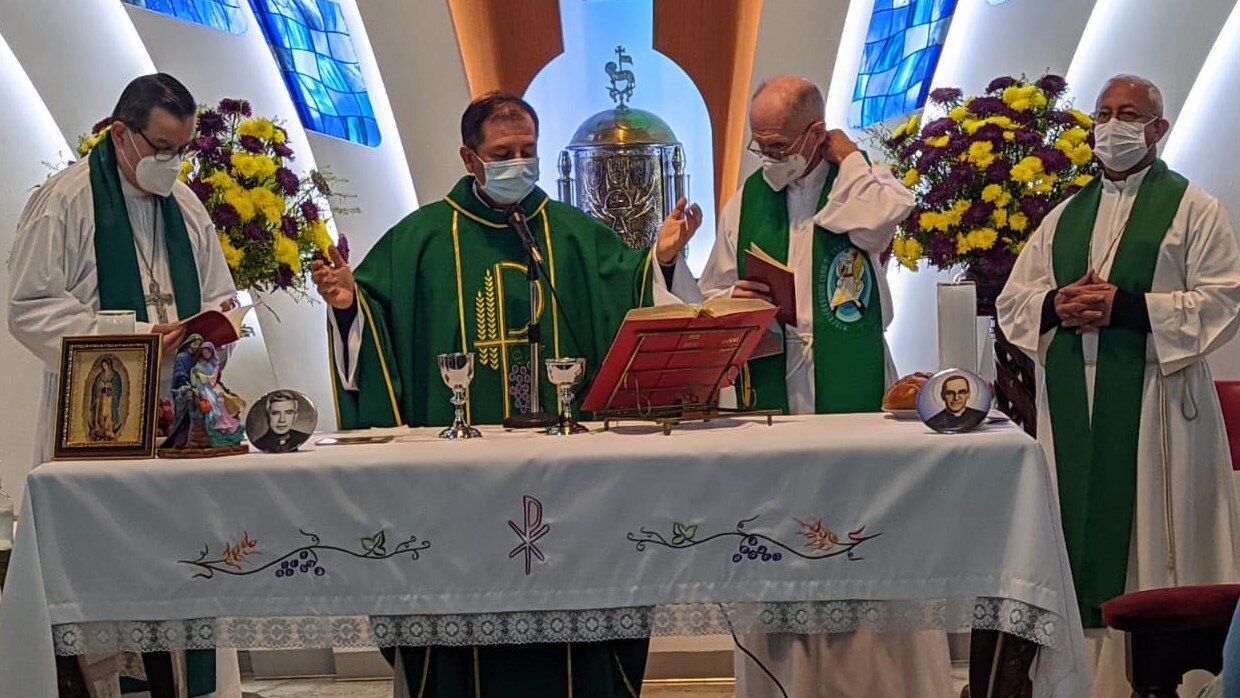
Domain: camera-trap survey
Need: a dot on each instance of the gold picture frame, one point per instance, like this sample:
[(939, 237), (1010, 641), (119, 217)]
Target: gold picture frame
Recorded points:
[(107, 397)]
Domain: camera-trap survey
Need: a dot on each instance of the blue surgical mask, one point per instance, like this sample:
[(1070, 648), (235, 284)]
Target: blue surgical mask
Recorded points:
[(510, 181)]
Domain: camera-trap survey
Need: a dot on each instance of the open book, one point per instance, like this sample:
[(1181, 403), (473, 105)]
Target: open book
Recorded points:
[(670, 355), (216, 326), (760, 266)]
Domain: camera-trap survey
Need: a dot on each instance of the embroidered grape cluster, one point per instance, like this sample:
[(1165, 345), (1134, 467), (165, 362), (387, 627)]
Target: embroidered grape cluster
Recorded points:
[(305, 563), (749, 548)]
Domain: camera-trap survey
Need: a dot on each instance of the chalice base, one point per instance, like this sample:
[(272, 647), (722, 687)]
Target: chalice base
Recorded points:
[(567, 428), (460, 430)]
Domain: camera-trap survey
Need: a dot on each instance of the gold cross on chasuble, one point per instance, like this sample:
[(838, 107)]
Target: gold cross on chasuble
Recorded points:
[(502, 321)]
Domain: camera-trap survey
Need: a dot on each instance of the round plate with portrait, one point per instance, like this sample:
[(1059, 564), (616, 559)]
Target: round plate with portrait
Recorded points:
[(281, 421)]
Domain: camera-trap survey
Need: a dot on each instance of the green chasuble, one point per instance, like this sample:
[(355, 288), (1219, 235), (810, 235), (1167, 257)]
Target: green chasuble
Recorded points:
[(451, 277), (1096, 453), (120, 288), (849, 360)]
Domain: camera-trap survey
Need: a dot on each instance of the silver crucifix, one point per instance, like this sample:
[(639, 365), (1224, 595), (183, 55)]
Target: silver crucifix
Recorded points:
[(160, 300)]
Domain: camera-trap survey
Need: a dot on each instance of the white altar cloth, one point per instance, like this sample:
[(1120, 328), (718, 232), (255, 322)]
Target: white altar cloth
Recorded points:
[(815, 524)]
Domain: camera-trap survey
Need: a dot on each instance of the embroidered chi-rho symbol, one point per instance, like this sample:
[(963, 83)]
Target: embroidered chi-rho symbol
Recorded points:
[(530, 533)]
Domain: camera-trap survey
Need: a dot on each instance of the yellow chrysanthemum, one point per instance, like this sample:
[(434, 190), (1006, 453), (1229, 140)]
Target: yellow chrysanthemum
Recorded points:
[(999, 217), (259, 128), (1018, 247), (1009, 136), (1082, 180), (907, 252), (912, 177), (186, 168), (982, 154), (232, 255), (1027, 170), (220, 180), (286, 252), (256, 166), (958, 114), (991, 192), (1075, 135), (1080, 155), (1018, 222), (268, 203), (938, 142), (279, 135), (963, 244), (239, 198), (982, 238), (317, 233), (1081, 118)]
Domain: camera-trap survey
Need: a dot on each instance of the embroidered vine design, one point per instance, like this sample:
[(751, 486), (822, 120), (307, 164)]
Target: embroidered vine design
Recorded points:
[(821, 543), (236, 558)]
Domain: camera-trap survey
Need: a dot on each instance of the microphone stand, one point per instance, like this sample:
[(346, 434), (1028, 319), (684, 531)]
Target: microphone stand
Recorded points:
[(536, 418)]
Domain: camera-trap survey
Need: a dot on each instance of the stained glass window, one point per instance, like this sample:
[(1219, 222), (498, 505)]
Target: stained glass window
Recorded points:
[(224, 15), (311, 42), (902, 48)]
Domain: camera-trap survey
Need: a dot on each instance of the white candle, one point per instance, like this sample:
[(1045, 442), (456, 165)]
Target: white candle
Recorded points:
[(115, 321), (958, 326)]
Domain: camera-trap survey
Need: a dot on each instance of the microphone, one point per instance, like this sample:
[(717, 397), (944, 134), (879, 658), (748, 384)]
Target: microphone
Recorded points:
[(516, 218)]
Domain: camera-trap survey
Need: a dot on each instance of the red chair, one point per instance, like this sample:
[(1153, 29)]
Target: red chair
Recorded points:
[(1173, 631)]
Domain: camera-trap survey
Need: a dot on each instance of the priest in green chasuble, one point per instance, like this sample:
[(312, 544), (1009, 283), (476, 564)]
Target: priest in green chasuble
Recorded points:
[(1120, 294), (451, 277), (820, 207)]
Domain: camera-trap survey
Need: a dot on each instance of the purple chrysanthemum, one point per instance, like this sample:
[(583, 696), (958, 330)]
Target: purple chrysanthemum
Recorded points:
[(206, 144), (978, 214), (1000, 83), (942, 249), (210, 123), (288, 226), (1061, 117), (908, 151), (1053, 85), (287, 181), (999, 171), (1034, 209), (939, 127), (1028, 139), (342, 244), (201, 189), (939, 196), (989, 132), (310, 211), (960, 175), (225, 216), (910, 225), (255, 232), (282, 150), (232, 106), (989, 106), (284, 276), (1053, 160), (944, 95), (251, 143), (102, 124), (997, 262)]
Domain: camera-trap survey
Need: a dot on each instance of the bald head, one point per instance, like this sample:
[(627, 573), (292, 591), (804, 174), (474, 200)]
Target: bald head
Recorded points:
[(1132, 90), (786, 101)]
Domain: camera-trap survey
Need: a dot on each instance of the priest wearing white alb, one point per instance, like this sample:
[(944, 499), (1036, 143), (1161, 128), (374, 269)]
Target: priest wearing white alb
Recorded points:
[(819, 206), (118, 231), (1121, 293)]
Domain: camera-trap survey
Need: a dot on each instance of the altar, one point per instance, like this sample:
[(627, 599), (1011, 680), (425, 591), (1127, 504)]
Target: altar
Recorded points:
[(817, 524)]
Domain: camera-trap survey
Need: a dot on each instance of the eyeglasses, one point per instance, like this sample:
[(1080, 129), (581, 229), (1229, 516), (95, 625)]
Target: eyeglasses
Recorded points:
[(1128, 116), (782, 154), (162, 154)]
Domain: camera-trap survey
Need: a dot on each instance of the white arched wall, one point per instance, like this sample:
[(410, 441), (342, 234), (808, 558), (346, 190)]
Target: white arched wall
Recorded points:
[(1203, 144), (414, 45), (21, 373), (1166, 42), (214, 65), (79, 56)]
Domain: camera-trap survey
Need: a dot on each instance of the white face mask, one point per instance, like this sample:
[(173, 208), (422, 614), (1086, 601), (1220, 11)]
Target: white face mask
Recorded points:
[(1120, 145), (781, 173), (510, 181), (153, 175)]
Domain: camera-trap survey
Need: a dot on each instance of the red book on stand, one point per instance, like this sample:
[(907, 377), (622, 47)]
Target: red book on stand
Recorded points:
[(672, 355), (760, 266), (218, 327)]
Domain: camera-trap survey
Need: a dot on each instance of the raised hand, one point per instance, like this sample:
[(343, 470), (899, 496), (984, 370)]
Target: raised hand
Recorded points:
[(676, 230), (335, 280), (838, 146)]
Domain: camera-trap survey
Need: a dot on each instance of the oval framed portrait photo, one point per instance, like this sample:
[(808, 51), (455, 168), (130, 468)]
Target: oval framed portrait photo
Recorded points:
[(954, 401), (281, 421)]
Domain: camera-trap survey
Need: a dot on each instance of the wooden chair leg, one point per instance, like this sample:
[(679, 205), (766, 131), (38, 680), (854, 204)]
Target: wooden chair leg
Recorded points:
[(999, 665), (1157, 661), (159, 676), (70, 682)]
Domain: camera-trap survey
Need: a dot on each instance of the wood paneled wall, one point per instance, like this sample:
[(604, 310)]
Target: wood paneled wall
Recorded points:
[(504, 43)]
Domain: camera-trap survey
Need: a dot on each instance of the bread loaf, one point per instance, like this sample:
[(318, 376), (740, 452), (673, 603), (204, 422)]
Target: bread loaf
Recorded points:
[(903, 395)]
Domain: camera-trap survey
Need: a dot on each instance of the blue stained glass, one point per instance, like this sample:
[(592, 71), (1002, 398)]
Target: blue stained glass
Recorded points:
[(902, 48), (311, 43), (222, 15)]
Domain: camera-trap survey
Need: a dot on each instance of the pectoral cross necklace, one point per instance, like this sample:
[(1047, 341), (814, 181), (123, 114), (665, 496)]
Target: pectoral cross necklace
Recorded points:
[(156, 297)]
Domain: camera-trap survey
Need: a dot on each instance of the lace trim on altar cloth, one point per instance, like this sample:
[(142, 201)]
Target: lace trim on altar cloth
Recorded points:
[(810, 617)]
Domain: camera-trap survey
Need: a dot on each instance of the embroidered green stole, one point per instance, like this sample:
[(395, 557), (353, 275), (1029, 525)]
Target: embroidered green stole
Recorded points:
[(849, 362), (1096, 454), (116, 259)]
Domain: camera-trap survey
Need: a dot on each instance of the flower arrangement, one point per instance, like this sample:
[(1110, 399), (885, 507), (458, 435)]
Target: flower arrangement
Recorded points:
[(987, 172), (271, 222)]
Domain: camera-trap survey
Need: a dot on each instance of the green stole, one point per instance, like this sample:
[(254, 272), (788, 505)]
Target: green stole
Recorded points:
[(849, 361), (1096, 455), (116, 259)]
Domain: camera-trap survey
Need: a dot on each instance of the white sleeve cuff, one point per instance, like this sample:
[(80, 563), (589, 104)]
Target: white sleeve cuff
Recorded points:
[(349, 347)]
